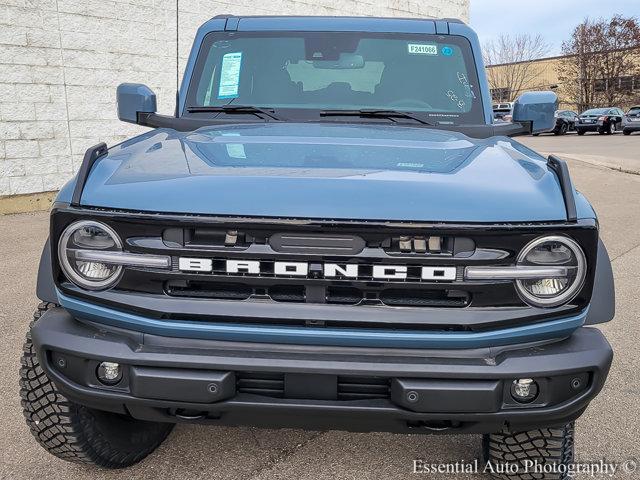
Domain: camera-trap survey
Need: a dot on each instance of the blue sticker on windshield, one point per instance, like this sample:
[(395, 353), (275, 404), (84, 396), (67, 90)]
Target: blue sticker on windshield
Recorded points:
[(447, 51), (230, 75)]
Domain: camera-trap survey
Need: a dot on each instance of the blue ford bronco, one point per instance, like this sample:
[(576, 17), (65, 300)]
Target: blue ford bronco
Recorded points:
[(331, 232)]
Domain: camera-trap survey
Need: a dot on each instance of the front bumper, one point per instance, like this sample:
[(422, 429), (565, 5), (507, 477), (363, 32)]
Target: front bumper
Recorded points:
[(631, 127), (176, 379), (590, 127)]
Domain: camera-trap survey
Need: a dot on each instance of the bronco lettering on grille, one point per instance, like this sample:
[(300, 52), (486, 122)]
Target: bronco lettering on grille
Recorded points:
[(301, 269)]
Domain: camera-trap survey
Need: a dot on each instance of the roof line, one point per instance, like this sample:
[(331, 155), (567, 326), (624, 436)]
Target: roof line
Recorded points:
[(417, 19)]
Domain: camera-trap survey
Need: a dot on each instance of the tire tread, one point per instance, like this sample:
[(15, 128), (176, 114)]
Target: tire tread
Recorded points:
[(547, 446), (66, 429)]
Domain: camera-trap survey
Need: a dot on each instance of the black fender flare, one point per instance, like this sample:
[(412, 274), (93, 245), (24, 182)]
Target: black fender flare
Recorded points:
[(46, 286), (603, 299)]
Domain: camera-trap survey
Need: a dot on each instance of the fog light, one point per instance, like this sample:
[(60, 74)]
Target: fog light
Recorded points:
[(109, 373), (524, 390)]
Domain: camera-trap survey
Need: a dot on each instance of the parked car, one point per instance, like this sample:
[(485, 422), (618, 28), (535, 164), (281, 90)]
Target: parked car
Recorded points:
[(631, 121), (503, 112), (565, 122), (299, 247), (602, 120)]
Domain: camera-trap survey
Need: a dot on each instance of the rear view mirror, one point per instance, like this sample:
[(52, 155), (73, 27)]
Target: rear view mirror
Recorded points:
[(134, 99), (536, 109)]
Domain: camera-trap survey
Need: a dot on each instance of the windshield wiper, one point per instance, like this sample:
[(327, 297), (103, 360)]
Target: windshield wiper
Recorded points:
[(374, 113), (234, 109)]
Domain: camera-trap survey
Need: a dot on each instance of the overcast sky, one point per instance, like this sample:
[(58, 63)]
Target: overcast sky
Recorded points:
[(553, 19)]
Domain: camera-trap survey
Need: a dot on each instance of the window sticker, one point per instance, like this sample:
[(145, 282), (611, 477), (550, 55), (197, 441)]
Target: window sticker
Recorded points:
[(455, 99), (462, 78), (235, 150), (447, 51), (230, 75), (422, 49)]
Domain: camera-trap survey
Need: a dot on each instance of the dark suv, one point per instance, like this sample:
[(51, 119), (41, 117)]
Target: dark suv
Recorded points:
[(331, 232), (602, 120)]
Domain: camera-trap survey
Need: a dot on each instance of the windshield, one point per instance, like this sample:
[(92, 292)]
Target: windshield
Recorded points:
[(634, 111), (596, 111), (306, 72)]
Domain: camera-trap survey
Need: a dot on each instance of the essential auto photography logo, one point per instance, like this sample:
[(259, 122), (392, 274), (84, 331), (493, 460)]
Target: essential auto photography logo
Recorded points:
[(602, 468)]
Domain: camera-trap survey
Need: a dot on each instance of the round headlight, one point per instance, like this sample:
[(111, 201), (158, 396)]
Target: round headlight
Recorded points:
[(556, 251), (89, 235)]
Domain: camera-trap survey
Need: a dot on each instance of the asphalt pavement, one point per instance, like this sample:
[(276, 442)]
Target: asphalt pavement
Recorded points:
[(618, 151), (609, 429)]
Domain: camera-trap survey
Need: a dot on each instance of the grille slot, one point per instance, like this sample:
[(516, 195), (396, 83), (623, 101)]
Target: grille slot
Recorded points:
[(287, 293), (258, 383), (362, 388), (220, 291), (344, 295), (424, 298)]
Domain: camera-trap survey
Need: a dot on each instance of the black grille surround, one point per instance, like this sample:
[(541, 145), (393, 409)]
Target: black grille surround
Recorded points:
[(410, 303)]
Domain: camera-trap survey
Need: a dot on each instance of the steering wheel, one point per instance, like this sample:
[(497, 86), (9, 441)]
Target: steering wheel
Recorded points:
[(410, 103)]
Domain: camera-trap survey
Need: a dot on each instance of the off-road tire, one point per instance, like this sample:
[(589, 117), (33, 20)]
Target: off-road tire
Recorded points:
[(74, 432), (545, 446)]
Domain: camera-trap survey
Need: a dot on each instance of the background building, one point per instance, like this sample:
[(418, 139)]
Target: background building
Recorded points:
[(61, 60), (543, 74)]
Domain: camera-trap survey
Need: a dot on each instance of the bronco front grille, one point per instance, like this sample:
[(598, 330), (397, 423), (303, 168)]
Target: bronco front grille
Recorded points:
[(333, 268), (410, 300)]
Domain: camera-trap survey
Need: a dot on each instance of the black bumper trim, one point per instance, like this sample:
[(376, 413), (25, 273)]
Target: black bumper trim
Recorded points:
[(585, 353), (589, 127)]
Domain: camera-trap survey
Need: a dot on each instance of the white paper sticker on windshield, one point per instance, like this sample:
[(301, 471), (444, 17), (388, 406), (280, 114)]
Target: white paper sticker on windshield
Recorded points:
[(230, 75), (422, 49)]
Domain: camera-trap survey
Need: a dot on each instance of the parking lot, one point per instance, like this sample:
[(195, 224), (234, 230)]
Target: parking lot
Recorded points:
[(608, 430), (615, 151)]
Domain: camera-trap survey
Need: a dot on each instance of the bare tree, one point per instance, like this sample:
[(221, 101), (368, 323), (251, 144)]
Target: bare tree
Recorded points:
[(512, 60), (602, 57)]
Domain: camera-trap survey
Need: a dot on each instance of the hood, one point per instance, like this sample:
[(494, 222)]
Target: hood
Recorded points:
[(328, 171)]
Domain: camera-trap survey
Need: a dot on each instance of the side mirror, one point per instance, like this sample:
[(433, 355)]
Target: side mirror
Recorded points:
[(536, 109), (133, 99)]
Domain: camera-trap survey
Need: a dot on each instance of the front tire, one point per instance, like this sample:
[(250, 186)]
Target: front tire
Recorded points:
[(580, 132), (546, 447), (561, 130), (626, 132), (77, 433)]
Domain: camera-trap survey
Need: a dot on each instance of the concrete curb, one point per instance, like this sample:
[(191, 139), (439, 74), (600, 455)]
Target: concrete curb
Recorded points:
[(619, 164), (30, 202)]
